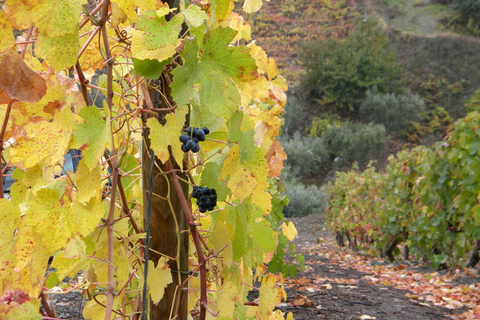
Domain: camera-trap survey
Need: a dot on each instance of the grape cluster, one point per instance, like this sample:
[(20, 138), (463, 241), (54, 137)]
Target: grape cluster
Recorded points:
[(191, 139), (206, 198)]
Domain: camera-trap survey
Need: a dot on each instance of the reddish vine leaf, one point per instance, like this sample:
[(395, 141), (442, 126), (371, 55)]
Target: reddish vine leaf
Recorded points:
[(18, 80)]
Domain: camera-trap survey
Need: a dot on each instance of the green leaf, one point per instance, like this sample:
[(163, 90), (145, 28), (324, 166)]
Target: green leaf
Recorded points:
[(247, 146), (159, 32), (150, 69), (91, 136), (52, 280), (219, 66), (194, 15)]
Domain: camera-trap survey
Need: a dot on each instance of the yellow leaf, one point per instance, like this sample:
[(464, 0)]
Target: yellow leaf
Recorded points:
[(18, 14), (269, 296), (61, 52), (141, 52), (57, 18), (87, 183), (10, 217), (43, 142), (75, 249), (128, 7), (221, 240), (158, 279), (94, 311), (265, 64), (51, 221), (6, 33), (236, 22), (246, 176), (226, 299), (88, 215), (289, 230), (168, 135)]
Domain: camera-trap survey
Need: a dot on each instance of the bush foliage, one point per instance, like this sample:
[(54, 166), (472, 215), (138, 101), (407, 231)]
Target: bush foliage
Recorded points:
[(304, 200), (338, 73), (394, 111)]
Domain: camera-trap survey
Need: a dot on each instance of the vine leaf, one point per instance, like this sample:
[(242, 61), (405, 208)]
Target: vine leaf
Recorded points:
[(18, 80), (275, 158), (215, 73), (289, 230), (167, 135), (159, 32), (91, 136), (6, 33), (194, 16), (43, 142), (244, 176), (18, 14), (158, 278), (250, 6), (61, 52), (10, 216), (57, 18)]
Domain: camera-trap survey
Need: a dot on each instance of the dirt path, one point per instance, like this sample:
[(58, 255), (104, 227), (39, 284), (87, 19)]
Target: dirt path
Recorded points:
[(332, 290)]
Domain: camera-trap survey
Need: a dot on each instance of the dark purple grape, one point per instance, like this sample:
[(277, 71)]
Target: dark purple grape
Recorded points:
[(184, 138), (206, 130), (200, 134), (195, 148), (184, 148), (191, 145), (196, 140)]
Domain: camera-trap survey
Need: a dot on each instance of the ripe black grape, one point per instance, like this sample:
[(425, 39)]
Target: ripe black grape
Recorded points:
[(206, 198), (192, 138)]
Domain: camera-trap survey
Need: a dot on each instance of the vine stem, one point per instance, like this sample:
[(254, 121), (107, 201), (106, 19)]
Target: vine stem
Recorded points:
[(110, 219), (2, 134), (196, 240)]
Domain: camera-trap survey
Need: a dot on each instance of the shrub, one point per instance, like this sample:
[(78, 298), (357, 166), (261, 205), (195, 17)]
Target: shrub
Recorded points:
[(307, 156), (294, 117), (304, 200), (394, 111), (338, 73), (356, 141)]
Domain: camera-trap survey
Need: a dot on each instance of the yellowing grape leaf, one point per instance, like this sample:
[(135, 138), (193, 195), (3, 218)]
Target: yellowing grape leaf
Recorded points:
[(262, 232), (265, 64), (10, 217), (61, 52), (215, 73), (269, 296), (18, 14), (289, 230), (51, 221), (168, 135), (27, 310), (250, 6), (159, 32), (226, 299), (221, 240), (87, 215), (55, 18), (92, 136), (43, 142), (128, 7), (245, 176), (158, 278), (18, 80), (237, 23), (194, 15), (6, 33), (87, 182), (275, 158), (141, 52), (223, 9), (75, 248)]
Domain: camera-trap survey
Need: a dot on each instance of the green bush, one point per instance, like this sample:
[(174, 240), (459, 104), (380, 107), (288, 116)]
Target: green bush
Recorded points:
[(307, 156), (338, 73), (470, 9), (294, 117), (356, 142), (394, 111), (304, 200)]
